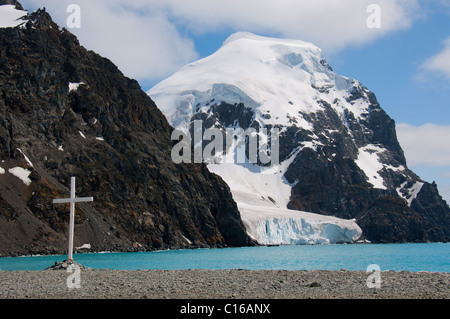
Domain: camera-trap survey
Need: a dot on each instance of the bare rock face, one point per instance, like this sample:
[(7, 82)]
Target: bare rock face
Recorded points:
[(66, 111), (331, 183)]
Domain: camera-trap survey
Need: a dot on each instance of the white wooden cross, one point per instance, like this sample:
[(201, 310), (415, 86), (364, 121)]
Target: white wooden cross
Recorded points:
[(72, 200)]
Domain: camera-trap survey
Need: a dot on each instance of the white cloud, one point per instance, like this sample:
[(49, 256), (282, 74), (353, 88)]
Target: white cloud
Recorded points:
[(143, 37), (444, 191), (439, 63), (144, 44), (427, 151), (330, 24), (427, 145)]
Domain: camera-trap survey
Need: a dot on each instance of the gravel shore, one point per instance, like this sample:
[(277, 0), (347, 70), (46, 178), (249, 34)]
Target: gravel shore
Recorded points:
[(222, 284)]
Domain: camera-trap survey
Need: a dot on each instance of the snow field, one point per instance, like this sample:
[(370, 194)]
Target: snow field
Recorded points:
[(10, 16)]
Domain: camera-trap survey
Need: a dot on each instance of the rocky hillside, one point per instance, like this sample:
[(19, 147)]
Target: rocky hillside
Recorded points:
[(338, 151), (66, 111)]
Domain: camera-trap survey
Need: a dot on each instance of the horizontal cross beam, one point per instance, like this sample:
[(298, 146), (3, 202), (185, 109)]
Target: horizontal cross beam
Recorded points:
[(73, 200)]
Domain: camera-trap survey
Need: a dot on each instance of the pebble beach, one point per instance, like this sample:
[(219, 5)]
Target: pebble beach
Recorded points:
[(222, 284)]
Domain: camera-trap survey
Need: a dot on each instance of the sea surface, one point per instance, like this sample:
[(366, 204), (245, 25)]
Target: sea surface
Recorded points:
[(432, 257)]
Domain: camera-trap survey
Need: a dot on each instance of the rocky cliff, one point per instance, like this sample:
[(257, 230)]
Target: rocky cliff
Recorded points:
[(66, 111)]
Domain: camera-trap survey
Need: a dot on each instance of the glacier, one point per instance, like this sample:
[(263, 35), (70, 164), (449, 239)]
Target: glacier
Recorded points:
[(269, 224), (300, 231)]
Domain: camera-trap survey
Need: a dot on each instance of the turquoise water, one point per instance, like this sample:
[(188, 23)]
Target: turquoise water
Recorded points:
[(433, 257)]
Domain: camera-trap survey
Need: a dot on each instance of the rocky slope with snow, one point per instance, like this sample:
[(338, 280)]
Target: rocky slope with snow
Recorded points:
[(338, 151), (66, 111)]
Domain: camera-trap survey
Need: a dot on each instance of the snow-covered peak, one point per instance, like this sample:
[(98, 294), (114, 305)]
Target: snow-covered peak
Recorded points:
[(252, 54), (10, 17), (241, 38), (277, 78)]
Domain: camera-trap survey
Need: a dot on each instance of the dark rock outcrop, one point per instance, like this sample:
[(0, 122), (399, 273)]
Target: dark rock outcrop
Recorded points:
[(65, 264), (108, 133), (328, 180)]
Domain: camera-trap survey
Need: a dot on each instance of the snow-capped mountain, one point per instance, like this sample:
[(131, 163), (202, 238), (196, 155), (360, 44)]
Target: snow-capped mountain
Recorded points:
[(339, 154)]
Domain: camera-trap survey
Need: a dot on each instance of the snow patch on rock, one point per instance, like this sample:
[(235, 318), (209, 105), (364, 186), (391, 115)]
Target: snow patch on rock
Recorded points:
[(22, 174), (10, 17)]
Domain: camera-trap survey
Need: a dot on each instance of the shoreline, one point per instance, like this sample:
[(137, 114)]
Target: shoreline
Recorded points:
[(222, 284), (86, 252)]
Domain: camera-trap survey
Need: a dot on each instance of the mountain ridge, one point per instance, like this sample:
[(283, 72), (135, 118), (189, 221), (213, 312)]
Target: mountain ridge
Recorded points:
[(66, 111)]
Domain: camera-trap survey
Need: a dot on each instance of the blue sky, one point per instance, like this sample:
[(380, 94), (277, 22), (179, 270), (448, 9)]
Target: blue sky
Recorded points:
[(405, 62), (391, 67)]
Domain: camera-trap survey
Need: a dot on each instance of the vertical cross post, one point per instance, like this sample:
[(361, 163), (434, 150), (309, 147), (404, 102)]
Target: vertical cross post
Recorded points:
[(72, 200)]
